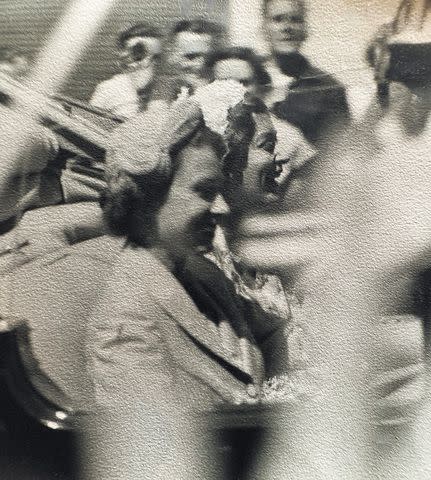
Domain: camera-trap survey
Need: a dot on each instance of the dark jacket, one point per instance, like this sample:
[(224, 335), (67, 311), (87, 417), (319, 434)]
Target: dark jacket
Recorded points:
[(315, 101)]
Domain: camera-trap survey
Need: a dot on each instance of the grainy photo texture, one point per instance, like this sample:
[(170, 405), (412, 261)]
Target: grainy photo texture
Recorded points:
[(215, 239)]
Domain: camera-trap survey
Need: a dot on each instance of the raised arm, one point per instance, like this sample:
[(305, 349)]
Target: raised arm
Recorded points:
[(20, 168)]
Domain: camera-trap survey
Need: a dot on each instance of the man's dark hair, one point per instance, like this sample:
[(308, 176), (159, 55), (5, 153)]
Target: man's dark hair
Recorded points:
[(265, 4), (197, 25), (139, 30), (260, 74)]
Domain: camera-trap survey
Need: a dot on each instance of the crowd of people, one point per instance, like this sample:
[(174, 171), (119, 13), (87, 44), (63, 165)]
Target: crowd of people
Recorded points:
[(179, 278)]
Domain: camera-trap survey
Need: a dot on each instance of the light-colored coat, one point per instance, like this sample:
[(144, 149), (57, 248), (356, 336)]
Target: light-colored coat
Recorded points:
[(55, 293), (148, 339), (146, 336)]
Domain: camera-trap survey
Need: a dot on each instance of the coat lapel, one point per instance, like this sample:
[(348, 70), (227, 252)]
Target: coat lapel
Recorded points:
[(222, 341), (189, 357)]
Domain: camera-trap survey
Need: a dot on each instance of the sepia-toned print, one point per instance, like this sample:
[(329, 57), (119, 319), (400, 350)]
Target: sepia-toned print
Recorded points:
[(215, 239)]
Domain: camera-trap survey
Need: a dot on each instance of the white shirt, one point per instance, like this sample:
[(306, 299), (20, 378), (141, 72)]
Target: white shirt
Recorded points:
[(118, 95), (280, 84)]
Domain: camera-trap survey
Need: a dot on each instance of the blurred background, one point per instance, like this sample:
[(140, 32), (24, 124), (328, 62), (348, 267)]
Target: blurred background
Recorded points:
[(340, 30)]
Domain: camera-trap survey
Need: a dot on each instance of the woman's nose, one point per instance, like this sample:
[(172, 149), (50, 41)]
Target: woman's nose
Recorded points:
[(219, 206)]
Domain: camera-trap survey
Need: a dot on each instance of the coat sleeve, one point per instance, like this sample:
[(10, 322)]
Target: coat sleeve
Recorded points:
[(127, 357), (26, 148), (139, 429)]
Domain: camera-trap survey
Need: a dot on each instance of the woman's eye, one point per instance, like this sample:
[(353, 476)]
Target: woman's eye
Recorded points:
[(268, 146), (207, 194)]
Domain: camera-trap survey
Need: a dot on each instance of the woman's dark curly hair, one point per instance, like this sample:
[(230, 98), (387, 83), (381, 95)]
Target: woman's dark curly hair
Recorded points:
[(261, 76), (240, 132), (130, 202)]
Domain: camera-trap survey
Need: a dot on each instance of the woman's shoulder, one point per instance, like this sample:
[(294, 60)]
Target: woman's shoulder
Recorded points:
[(136, 260), (135, 276), (99, 250), (105, 248), (131, 295)]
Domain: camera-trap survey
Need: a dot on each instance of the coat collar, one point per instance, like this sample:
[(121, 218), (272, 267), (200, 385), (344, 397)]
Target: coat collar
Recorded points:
[(293, 64), (169, 294)]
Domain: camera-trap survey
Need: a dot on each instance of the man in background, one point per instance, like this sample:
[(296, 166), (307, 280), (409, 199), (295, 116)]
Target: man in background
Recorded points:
[(239, 64), (188, 45), (302, 94), (127, 93)]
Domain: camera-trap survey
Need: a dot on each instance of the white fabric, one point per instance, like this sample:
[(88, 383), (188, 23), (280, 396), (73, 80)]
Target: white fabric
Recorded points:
[(280, 84), (117, 95)]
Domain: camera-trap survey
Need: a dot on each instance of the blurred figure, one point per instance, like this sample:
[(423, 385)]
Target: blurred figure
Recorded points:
[(303, 95), (13, 62), (356, 250), (127, 93), (190, 41)]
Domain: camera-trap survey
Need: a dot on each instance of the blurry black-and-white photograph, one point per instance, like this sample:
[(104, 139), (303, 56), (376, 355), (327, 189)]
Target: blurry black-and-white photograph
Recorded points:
[(215, 239)]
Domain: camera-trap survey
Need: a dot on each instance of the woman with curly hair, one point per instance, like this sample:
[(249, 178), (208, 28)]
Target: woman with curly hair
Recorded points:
[(169, 335)]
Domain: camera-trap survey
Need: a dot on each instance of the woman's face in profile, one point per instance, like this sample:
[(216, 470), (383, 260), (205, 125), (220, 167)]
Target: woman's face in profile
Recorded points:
[(250, 187), (254, 194), (269, 229), (187, 220)]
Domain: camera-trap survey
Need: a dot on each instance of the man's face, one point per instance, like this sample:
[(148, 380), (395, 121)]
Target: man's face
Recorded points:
[(188, 55), (236, 69), (286, 25), (187, 220)]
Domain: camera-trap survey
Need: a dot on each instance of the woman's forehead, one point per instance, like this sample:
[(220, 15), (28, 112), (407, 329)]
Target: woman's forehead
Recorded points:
[(198, 161)]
